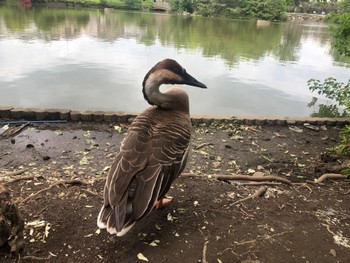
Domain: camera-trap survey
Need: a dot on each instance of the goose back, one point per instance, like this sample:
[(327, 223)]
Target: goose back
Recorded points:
[(151, 157)]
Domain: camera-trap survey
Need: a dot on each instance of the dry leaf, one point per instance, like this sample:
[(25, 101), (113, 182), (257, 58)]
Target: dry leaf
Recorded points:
[(140, 256)]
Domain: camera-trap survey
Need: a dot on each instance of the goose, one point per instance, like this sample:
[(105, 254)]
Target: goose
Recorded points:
[(153, 153)]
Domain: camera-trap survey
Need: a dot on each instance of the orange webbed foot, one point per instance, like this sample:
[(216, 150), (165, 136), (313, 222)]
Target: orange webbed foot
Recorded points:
[(159, 204)]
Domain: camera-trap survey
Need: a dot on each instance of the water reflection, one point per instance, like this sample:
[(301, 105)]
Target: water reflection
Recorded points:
[(90, 59)]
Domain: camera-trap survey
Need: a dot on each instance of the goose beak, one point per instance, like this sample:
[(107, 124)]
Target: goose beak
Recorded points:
[(189, 80)]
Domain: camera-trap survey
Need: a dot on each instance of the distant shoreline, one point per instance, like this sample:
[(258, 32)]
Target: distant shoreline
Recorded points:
[(65, 4)]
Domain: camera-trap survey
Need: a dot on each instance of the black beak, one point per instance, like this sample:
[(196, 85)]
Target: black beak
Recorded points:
[(189, 80)]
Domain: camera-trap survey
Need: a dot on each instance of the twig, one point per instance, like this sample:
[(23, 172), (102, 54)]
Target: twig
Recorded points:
[(29, 177), (345, 193), (203, 145), (225, 177), (37, 258), (63, 182), (204, 257), (259, 183), (257, 193), (261, 238), (330, 176), (92, 193), (15, 172)]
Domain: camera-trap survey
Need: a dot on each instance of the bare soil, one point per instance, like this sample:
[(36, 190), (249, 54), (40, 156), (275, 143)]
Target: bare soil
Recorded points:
[(303, 222)]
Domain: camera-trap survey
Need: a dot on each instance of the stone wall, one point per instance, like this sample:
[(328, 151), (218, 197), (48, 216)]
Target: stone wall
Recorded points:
[(35, 114)]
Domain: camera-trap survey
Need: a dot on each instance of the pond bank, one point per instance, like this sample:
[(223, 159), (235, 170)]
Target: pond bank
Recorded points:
[(38, 114)]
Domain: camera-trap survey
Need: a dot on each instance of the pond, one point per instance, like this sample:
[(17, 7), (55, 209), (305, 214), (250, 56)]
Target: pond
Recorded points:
[(87, 59)]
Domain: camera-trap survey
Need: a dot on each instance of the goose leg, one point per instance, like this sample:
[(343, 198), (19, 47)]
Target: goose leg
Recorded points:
[(159, 204)]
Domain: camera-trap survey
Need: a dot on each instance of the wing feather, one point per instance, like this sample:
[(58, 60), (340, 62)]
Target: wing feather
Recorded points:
[(151, 157)]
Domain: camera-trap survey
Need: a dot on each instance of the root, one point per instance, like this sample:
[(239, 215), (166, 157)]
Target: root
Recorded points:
[(62, 182), (224, 177), (258, 193), (330, 176)]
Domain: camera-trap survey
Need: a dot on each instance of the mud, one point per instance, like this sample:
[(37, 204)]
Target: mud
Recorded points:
[(59, 196)]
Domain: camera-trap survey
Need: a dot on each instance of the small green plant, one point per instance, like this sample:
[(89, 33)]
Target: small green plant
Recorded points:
[(340, 92), (343, 148)]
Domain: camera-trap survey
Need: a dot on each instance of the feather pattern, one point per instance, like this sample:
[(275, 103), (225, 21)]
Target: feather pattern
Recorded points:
[(153, 153)]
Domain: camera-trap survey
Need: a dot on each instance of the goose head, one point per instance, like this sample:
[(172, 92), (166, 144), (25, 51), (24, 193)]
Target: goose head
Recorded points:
[(168, 71)]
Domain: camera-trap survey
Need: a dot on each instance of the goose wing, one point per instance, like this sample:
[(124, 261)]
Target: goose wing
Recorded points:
[(151, 157)]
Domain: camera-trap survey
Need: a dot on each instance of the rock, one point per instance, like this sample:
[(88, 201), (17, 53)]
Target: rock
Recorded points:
[(311, 127), (296, 129)]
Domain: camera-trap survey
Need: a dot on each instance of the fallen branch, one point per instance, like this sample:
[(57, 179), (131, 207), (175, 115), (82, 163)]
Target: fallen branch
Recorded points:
[(12, 131), (257, 193), (15, 172), (330, 176), (224, 177), (63, 182)]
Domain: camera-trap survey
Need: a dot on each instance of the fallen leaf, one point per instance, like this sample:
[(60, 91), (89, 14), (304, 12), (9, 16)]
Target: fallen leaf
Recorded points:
[(169, 217), (251, 171), (86, 134), (332, 252), (154, 243), (140, 256), (84, 161), (118, 129)]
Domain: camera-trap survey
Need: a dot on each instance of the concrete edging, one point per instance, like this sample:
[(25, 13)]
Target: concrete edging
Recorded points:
[(38, 114)]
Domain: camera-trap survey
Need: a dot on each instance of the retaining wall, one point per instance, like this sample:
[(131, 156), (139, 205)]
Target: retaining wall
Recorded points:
[(37, 114)]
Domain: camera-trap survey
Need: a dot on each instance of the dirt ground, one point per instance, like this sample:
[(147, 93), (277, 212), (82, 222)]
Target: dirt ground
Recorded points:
[(302, 222)]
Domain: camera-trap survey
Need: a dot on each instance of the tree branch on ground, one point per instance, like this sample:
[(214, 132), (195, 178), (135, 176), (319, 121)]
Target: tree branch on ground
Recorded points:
[(224, 177), (330, 176), (257, 193)]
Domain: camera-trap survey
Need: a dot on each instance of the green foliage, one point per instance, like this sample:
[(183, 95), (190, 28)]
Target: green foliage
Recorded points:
[(345, 6), (343, 148), (332, 89), (265, 9), (182, 5), (146, 4), (339, 92), (341, 35), (113, 3)]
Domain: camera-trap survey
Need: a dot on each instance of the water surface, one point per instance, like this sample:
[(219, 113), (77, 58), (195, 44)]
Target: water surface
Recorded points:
[(96, 60)]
